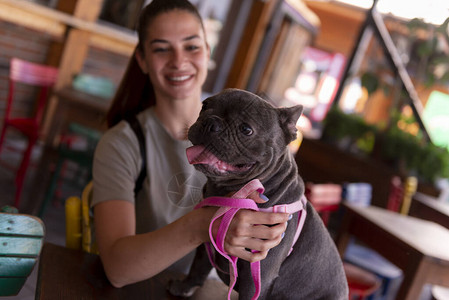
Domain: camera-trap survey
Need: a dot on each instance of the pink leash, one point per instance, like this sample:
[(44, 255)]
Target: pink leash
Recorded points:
[(228, 208)]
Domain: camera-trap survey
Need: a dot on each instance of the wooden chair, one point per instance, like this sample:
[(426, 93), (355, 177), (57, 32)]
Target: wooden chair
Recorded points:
[(31, 74), (77, 146), (21, 239), (79, 222)]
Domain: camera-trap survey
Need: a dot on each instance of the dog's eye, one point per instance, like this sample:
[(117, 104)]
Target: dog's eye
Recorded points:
[(246, 129)]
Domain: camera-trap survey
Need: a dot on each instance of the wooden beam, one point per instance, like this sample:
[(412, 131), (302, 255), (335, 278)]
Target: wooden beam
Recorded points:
[(67, 7), (304, 11), (29, 19), (272, 62), (72, 55), (87, 10), (350, 12), (74, 10), (251, 40), (119, 46)]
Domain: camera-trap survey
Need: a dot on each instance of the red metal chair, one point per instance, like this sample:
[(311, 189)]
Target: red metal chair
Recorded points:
[(31, 74)]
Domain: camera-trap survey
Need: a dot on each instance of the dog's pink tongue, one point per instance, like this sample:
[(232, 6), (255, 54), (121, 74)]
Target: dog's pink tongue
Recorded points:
[(199, 155)]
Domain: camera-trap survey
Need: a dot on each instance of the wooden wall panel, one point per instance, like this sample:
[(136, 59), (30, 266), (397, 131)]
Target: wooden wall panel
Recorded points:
[(340, 26), (250, 43)]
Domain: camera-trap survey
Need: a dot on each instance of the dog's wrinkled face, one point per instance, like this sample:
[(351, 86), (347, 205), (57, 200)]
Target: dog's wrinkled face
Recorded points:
[(238, 135)]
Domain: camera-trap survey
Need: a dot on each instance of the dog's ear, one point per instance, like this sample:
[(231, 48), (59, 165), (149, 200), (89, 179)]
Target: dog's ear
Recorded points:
[(288, 118)]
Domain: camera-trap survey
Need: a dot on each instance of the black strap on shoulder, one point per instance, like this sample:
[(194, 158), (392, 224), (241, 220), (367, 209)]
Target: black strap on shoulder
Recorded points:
[(135, 125)]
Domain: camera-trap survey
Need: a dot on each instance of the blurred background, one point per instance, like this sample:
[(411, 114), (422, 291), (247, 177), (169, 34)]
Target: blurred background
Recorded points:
[(373, 76)]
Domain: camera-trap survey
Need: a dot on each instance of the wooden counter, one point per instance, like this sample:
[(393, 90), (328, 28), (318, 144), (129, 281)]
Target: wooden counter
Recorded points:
[(429, 208), (418, 247)]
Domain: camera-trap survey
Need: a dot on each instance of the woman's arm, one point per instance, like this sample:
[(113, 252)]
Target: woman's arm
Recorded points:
[(129, 258)]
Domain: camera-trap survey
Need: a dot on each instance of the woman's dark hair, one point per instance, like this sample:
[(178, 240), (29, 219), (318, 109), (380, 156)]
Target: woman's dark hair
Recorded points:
[(136, 91)]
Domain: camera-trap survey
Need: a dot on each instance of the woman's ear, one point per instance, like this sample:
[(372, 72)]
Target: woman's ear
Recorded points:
[(141, 61)]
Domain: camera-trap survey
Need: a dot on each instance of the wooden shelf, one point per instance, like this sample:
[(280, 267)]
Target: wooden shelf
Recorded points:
[(56, 23)]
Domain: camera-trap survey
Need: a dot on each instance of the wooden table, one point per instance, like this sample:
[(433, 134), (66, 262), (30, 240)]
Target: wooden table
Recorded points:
[(430, 208), (71, 274), (418, 247)]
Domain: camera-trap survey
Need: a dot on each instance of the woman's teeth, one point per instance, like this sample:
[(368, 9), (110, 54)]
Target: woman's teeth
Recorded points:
[(180, 78)]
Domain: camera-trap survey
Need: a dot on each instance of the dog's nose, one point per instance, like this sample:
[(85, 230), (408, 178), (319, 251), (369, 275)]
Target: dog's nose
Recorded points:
[(213, 124)]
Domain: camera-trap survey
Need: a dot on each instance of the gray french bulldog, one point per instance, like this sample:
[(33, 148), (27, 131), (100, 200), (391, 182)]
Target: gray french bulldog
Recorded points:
[(248, 138)]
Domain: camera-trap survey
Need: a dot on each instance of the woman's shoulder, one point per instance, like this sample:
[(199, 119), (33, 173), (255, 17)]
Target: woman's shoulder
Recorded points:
[(147, 118), (120, 131), (119, 137)]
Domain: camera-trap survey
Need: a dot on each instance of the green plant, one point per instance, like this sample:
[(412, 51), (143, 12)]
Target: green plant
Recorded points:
[(430, 51), (412, 153), (400, 145), (426, 60), (417, 155), (340, 126), (434, 162)]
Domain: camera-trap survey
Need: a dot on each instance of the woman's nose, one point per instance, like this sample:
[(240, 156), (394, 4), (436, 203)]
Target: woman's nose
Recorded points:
[(178, 58)]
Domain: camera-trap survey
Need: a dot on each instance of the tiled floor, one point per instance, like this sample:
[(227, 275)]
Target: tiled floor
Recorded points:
[(33, 193)]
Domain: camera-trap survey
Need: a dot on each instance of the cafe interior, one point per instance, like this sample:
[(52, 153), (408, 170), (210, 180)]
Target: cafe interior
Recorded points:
[(372, 145)]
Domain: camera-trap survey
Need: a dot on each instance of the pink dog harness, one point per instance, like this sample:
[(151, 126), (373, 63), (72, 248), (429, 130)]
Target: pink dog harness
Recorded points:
[(228, 209)]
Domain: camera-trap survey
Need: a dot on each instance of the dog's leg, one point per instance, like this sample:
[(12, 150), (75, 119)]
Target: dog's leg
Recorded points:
[(199, 271)]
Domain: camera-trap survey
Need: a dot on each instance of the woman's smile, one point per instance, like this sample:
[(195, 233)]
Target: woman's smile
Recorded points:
[(178, 79)]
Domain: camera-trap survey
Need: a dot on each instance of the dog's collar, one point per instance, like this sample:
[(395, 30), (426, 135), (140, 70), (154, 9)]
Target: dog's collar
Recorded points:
[(228, 208)]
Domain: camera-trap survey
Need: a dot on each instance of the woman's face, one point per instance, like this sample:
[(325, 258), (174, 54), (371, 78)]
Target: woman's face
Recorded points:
[(175, 55)]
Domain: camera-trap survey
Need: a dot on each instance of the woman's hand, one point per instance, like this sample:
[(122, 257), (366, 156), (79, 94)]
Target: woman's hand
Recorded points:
[(252, 230)]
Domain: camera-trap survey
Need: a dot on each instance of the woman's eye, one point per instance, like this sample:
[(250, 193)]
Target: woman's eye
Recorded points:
[(159, 50), (246, 129), (192, 48)]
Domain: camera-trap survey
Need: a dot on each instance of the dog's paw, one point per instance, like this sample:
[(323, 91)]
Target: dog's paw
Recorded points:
[(180, 288)]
